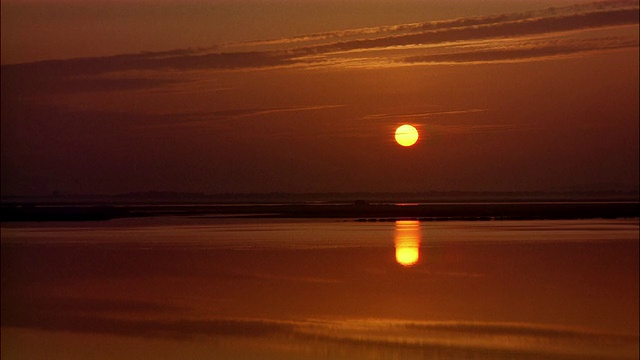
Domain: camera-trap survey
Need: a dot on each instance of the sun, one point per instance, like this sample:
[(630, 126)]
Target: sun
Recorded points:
[(406, 135)]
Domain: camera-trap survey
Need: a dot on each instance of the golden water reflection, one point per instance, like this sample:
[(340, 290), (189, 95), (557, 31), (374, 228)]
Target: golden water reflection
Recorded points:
[(407, 242)]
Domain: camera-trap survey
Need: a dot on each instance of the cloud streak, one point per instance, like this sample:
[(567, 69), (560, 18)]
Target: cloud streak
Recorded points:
[(416, 28), (420, 115), (208, 118), (506, 29), (388, 42), (526, 51)]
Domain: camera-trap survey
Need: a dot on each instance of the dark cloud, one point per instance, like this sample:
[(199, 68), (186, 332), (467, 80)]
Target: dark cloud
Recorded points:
[(150, 61), (46, 76)]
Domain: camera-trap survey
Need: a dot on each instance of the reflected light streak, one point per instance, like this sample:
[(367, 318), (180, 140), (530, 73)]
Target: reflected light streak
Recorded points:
[(407, 242)]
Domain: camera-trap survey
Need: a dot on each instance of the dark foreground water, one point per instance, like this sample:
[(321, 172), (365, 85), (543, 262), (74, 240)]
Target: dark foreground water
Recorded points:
[(188, 288)]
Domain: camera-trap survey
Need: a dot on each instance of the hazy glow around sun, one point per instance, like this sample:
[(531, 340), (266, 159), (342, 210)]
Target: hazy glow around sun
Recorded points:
[(406, 135)]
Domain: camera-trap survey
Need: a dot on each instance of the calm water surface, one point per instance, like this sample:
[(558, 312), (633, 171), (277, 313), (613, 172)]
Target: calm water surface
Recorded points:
[(215, 288)]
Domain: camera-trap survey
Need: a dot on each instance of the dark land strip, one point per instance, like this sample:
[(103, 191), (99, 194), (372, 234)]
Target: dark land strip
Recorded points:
[(357, 211)]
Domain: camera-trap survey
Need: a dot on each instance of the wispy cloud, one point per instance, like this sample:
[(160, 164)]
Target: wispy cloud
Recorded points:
[(416, 28), (527, 50), (506, 37), (419, 115), (452, 122), (500, 29), (477, 128), (215, 117)]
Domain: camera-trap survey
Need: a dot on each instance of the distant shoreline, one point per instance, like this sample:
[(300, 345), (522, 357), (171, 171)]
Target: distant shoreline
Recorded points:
[(172, 197), (358, 211)]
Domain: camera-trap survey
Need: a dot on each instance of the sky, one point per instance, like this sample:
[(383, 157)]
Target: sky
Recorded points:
[(109, 97)]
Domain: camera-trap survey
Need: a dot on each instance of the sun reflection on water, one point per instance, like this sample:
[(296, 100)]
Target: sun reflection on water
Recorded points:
[(407, 242)]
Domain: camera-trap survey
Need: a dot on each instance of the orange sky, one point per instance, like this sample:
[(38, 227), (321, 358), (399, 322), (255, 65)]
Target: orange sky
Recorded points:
[(304, 96)]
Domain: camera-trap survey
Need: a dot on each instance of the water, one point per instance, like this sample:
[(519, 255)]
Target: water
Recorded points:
[(202, 288)]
